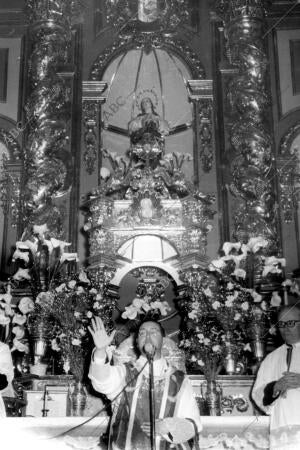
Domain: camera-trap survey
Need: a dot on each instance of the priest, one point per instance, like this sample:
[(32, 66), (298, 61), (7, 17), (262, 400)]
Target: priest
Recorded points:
[(277, 387), (176, 412)]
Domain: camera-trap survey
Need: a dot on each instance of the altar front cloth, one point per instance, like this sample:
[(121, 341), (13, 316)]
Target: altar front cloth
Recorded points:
[(40, 433)]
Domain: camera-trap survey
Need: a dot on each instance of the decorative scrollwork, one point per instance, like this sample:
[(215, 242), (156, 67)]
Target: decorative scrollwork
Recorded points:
[(165, 15), (10, 176), (230, 402), (90, 121), (205, 134)]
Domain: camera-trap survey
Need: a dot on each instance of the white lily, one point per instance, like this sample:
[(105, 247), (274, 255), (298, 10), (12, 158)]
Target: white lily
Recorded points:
[(256, 243), (271, 265), (228, 246), (61, 244), (129, 313), (28, 245), (40, 230), (22, 274), (217, 264), (257, 298), (18, 254), (104, 173), (4, 320), (6, 298), (69, 257), (18, 345), (83, 277)]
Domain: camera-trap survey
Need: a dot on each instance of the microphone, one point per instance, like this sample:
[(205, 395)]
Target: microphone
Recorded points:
[(149, 350)]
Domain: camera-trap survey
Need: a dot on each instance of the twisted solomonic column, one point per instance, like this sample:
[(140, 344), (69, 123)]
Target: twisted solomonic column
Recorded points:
[(48, 160), (250, 152)]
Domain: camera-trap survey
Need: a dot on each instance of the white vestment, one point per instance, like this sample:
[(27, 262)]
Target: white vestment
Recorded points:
[(110, 380), (6, 368), (284, 412)]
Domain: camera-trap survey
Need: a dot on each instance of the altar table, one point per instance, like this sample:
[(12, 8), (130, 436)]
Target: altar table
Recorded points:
[(42, 433)]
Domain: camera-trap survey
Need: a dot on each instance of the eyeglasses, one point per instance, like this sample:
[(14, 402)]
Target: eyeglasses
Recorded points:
[(288, 323)]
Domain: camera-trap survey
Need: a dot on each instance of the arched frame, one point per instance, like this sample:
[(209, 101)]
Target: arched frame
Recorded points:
[(10, 182)]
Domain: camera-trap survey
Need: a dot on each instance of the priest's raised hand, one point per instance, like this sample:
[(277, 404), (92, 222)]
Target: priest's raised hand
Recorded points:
[(101, 339)]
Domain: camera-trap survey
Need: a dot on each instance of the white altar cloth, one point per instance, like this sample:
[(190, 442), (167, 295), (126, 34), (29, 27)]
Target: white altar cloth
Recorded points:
[(38, 433)]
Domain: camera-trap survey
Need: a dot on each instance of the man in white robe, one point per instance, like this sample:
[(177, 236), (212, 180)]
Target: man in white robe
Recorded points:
[(6, 375), (176, 411), (277, 387)]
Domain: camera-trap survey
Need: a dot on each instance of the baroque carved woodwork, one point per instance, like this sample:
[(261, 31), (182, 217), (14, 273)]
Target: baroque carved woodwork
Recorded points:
[(48, 162), (10, 177), (289, 176), (92, 99), (251, 147)]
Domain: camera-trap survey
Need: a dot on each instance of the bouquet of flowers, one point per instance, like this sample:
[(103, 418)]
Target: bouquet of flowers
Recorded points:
[(72, 307), (41, 259), (13, 320), (145, 307), (204, 346), (244, 270)]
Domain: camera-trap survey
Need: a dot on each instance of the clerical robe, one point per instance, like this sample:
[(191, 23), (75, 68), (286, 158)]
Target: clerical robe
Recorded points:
[(284, 411), (174, 398), (6, 368)]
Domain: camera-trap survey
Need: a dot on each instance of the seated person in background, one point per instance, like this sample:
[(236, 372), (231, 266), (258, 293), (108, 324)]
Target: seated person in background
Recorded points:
[(176, 411), (277, 387), (6, 375)]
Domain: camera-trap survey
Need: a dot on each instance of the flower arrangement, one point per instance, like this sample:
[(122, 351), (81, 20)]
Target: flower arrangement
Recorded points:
[(204, 346), (231, 298), (145, 307), (71, 307), (41, 259), (13, 320), (243, 268)]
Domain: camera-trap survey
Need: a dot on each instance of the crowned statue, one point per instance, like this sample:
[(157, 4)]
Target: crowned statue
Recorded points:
[(147, 132)]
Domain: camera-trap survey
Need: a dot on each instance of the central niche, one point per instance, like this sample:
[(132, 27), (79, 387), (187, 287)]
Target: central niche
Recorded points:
[(157, 74), (154, 283)]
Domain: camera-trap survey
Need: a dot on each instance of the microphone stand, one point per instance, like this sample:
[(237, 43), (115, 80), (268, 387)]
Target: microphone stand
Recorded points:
[(152, 403)]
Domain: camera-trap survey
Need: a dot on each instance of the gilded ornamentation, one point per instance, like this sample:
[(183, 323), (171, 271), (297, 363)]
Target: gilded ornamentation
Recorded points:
[(92, 99), (205, 134), (10, 177), (10, 194), (48, 162), (229, 402), (288, 173), (148, 41), (90, 121), (251, 153), (166, 15), (200, 93), (147, 194), (100, 277)]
